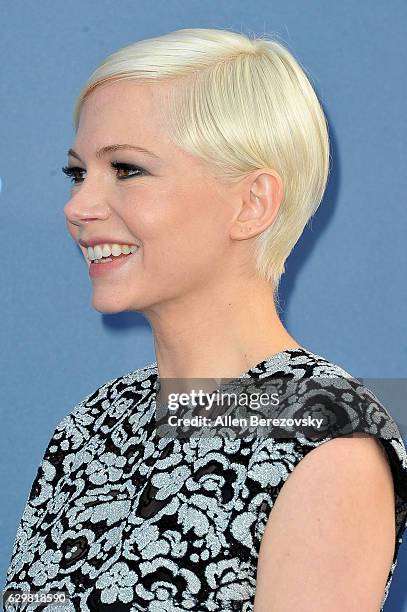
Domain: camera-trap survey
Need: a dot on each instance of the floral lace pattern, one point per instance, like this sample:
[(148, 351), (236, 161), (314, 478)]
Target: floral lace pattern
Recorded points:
[(123, 519)]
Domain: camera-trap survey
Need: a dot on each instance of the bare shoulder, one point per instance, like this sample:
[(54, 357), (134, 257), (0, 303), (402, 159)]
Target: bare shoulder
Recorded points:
[(334, 515)]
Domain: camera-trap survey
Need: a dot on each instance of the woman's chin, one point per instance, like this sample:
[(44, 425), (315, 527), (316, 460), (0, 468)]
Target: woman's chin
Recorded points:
[(109, 304), (107, 310), (113, 304)]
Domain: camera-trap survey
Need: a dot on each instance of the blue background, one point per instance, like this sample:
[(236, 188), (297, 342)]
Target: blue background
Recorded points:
[(344, 293)]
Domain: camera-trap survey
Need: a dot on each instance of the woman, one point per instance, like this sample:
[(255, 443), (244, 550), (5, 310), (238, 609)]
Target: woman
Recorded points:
[(199, 158)]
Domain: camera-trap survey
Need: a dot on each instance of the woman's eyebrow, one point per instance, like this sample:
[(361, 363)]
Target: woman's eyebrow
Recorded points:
[(115, 147)]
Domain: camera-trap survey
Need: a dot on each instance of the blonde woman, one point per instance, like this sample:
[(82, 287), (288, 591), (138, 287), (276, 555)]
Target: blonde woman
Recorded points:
[(199, 157)]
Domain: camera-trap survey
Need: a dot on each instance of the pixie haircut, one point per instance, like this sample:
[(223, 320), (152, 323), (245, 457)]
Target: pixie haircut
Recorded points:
[(239, 104)]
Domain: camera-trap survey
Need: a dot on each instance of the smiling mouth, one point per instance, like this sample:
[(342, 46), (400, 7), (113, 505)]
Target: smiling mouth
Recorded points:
[(111, 258), (107, 259)]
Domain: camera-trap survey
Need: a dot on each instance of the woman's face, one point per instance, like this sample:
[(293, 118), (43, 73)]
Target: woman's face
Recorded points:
[(171, 205)]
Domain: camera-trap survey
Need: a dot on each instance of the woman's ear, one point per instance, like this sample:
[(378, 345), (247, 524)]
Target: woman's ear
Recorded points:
[(261, 197)]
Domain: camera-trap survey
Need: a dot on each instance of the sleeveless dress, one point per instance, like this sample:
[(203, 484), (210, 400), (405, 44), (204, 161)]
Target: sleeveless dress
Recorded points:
[(123, 519)]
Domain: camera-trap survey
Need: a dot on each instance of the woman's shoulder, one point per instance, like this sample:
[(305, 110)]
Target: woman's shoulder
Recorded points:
[(320, 400), (313, 381), (347, 403)]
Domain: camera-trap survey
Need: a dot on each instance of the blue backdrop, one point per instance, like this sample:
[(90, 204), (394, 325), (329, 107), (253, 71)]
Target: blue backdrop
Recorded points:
[(344, 292)]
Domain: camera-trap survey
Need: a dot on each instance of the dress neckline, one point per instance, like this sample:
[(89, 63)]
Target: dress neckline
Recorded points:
[(282, 357), (274, 357)]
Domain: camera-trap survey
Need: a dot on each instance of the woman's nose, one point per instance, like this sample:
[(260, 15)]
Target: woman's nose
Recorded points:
[(84, 207)]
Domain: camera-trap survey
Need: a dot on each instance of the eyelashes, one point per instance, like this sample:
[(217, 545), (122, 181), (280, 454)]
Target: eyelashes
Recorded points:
[(76, 173)]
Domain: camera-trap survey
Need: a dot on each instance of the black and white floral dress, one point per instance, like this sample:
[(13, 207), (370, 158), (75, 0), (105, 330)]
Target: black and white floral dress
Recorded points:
[(124, 519)]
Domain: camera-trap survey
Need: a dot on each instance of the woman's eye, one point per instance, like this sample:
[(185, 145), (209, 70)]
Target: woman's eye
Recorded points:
[(128, 169), (72, 173), (123, 172)]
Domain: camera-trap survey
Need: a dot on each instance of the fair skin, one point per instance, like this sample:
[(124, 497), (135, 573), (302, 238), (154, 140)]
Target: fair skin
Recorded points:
[(329, 540), (194, 280)]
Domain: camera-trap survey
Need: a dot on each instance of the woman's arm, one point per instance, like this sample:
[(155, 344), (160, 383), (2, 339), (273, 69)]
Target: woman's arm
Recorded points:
[(329, 540)]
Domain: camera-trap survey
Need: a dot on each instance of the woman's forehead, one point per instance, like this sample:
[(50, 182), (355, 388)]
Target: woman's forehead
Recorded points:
[(126, 110), (137, 96)]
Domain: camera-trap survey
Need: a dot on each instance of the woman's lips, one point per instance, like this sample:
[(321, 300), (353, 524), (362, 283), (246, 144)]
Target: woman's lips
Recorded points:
[(101, 269)]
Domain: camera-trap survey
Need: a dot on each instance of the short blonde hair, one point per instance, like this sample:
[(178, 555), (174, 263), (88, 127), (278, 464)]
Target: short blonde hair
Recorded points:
[(246, 104)]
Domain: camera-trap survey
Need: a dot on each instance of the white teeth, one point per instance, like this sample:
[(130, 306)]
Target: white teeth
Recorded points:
[(98, 252), (116, 250)]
